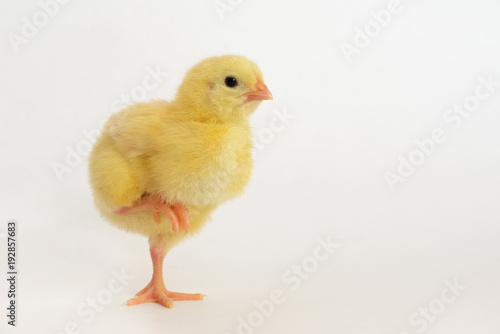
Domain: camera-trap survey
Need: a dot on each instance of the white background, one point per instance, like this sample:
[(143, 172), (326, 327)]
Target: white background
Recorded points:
[(320, 175)]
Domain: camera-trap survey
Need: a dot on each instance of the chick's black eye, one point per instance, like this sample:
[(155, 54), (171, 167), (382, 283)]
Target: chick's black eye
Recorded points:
[(231, 82)]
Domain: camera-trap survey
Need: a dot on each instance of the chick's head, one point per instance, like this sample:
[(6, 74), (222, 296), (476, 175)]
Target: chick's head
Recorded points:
[(223, 88)]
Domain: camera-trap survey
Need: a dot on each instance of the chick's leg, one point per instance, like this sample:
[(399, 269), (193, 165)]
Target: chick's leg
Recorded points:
[(156, 291), (177, 213)]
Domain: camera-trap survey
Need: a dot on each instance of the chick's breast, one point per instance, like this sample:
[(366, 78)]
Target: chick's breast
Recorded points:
[(202, 164)]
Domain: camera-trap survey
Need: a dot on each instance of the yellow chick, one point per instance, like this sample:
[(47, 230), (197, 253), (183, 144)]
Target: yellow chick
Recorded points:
[(162, 167)]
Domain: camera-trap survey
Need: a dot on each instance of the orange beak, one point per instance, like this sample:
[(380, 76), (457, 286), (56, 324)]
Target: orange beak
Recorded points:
[(261, 92)]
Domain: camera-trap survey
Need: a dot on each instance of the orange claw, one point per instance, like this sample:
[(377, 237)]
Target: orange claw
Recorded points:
[(183, 213), (177, 213)]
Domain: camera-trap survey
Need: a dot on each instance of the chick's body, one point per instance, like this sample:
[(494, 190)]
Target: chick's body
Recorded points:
[(192, 153), (148, 148)]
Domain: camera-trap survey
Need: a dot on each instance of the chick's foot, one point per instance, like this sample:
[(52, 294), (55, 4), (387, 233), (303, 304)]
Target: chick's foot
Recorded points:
[(177, 213), (156, 291), (159, 294)]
